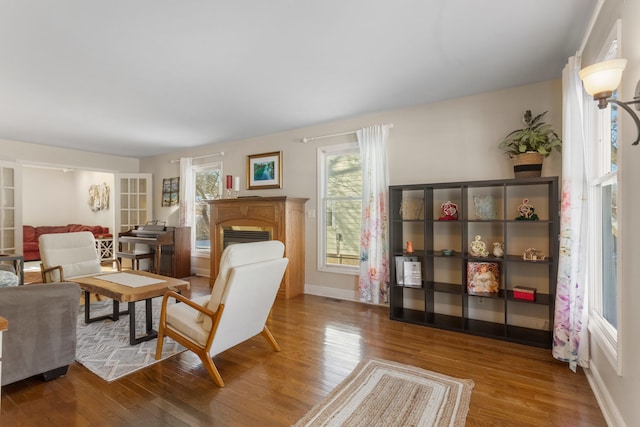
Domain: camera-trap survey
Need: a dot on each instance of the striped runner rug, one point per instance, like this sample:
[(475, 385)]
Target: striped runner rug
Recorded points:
[(384, 393)]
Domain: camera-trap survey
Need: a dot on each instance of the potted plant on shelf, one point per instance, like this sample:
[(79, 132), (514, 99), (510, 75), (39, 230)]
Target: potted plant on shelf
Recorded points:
[(530, 145)]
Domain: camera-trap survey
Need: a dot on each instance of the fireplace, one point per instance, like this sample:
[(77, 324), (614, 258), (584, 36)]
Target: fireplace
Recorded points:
[(253, 219), (244, 234)]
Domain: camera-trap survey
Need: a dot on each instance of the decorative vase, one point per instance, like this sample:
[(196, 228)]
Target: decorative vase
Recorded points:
[(409, 247), (498, 249), (528, 165)]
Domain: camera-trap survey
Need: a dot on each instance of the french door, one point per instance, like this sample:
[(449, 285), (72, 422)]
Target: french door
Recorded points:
[(134, 202), (10, 208)]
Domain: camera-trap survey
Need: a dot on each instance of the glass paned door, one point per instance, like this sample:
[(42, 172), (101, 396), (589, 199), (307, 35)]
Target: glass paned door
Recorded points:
[(10, 208), (133, 193)]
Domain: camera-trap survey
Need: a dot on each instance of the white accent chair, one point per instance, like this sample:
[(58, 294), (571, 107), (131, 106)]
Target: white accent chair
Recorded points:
[(237, 309), (65, 256)]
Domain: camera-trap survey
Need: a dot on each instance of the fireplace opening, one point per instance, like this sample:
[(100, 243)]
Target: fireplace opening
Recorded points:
[(235, 234)]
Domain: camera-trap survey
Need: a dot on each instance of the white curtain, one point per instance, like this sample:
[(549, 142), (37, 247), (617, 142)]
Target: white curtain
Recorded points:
[(570, 336), (186, 193), (374, 258)]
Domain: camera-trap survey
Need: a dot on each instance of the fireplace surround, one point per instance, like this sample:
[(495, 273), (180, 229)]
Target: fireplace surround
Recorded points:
[(279, 218)]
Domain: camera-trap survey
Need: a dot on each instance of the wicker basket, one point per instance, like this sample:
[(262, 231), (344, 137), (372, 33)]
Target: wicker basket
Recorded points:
[(527, 165)]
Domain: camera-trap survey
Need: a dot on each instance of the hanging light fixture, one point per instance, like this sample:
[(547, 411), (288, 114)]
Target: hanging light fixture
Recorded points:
[(601, 79)]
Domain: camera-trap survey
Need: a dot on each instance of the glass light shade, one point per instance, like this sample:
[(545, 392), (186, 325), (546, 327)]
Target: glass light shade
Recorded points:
[(603, 76)]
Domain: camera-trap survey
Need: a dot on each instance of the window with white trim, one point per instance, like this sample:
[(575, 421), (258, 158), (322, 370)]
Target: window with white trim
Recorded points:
[(206, 186), (604, 313), (339, 208)]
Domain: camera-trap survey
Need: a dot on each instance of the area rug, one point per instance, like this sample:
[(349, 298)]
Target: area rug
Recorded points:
[(383, 393), (103, 347)]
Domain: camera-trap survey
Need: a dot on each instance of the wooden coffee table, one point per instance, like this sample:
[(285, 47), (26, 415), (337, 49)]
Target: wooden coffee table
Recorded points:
[(101, 285)]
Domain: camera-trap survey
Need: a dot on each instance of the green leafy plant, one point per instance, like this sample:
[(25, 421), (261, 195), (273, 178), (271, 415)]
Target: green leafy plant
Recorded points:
[(537, 136)]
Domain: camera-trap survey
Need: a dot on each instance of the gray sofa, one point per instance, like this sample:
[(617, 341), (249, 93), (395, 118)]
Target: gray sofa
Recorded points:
[(42, 330)]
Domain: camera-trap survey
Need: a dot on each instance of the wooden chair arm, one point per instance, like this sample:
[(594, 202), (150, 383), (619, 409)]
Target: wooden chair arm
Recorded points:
[(109, 263), (215, 316), (44, 272), (187, 301)]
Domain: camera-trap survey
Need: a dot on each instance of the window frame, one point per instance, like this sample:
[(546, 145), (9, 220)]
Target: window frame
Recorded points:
[(604, 334), (195, 252), (323, 154)]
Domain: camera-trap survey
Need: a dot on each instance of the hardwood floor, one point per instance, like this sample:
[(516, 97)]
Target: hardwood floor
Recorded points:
[(322, 341)]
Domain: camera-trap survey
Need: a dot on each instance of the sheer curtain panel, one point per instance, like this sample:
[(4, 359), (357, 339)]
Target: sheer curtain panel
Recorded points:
[(186, 192), (374, 258), (570, 336)]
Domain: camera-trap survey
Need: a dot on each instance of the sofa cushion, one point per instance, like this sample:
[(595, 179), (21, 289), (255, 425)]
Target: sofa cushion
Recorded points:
[(183, 319), (74, 228), (51, 229), (29, 234), (30, 246)]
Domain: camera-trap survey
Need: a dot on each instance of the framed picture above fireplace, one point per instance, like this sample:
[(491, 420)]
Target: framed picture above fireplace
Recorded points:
[(264, 171)]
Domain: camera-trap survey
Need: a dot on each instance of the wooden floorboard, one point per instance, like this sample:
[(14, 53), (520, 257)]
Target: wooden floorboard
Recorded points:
[(322, 341)]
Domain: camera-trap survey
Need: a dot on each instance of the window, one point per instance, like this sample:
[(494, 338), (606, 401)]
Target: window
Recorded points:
[(207, 185), (339, 208), (603, 217)]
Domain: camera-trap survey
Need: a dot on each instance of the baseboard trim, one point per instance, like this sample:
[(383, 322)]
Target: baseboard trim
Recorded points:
[(607, 405), (200, 272), (324, 291)]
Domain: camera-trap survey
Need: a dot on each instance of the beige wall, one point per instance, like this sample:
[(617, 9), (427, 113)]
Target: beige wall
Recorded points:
[(48, 194), (57, 193), (455, 140), (619, 395)]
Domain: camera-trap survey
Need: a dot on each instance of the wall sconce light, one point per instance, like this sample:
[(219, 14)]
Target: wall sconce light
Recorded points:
[(601, 79)]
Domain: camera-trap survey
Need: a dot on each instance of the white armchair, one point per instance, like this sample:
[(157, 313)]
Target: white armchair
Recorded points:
[(237, 309), (68, 255)]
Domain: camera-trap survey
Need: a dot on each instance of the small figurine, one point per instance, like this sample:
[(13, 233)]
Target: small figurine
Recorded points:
[(498, 249), (532, 254), (478, 247), (526, 211), (448, 211)]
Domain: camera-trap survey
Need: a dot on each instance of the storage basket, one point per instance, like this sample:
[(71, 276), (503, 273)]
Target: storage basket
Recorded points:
[(527, 165)]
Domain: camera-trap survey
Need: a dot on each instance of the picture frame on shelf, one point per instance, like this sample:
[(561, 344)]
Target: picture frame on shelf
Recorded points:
[(264, 171), (483, 278), (485, 207), (400, 267), (412, 208), (413, 274)]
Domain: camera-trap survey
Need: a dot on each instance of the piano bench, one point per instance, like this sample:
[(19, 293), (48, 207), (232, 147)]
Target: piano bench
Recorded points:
[(135, 259)]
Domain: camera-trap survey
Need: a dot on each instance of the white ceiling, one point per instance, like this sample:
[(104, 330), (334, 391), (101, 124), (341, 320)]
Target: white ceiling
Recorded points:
[(146, 77)]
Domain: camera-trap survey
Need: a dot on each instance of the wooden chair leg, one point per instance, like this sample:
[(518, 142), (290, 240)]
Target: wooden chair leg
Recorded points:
[(160, 343), (210, 367), (267, 334)]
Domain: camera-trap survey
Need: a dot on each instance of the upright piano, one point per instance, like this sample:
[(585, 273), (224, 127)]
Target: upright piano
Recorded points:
[(171, 247)]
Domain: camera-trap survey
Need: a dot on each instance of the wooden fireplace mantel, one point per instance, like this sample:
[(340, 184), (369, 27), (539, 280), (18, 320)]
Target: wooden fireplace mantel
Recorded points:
[(283, 215)]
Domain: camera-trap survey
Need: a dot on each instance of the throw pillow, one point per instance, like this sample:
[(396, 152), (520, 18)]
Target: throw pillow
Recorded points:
[(7, 278)]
